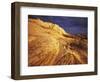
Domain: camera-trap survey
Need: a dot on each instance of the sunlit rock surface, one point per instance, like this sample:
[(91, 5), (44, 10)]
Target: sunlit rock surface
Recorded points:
[(49, 44)]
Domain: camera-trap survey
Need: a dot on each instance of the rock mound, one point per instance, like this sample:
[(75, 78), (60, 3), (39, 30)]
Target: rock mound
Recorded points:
[(49, 44)]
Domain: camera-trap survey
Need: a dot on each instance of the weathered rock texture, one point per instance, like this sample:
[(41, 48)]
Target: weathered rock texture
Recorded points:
[(49, 44)]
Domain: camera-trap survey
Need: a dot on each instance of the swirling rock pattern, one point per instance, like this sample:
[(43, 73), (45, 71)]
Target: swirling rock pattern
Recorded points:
[(49, 44)]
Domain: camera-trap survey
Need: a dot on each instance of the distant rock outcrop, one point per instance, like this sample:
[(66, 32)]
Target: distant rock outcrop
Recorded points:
[(49, 44)]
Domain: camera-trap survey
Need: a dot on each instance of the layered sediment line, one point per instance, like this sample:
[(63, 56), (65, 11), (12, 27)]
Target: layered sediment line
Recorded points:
[(49, 44)]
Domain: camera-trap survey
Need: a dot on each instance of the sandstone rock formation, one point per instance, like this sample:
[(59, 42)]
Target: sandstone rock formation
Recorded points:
[(49, 44)]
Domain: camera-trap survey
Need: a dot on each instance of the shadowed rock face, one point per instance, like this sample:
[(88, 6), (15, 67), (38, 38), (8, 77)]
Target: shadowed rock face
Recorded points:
[(49, 44)]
